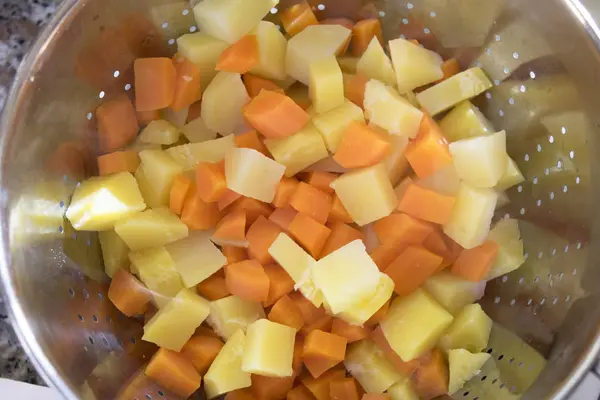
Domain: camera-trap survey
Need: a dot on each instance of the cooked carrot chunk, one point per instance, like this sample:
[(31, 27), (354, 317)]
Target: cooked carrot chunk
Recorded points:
[(322, 324), (426, 204), (202, 351), (310, 313), (297, 364), (341, 235), (352, 333), (240, 57), (231, 229), (474, 264), (406, 368), (199, 215), (412, 268), (261, 236), (300, 392), (145, 117), (154, 83), (309, 233), (322, 351), (247, 280), (379, 315), (297, 17), (241, 394), (429, 152), (283, 217), (285, 312), (320, 387), (361, 146), (384, 254), (284, 192), (338, 212), (362, 34), (345, 22), (354, 88), (312, 202), (128, 294), (343, 389), (227, 198), (118, 161), (187, 83), (251, 140), (376, 396), (174, 372), (255, 84), (213, 288), (234, 254), (431, 377), (437, 242), (401, 228), (280, 283), (210, 181), (322, 180), (275, 115), (117, 124), (270, 388), (450, 68), (182, 185), (194, 112), (254, 208)]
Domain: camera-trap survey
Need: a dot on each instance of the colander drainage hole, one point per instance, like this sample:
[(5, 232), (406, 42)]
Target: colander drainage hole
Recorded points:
[(86, 294), (160, 393), (80, 317), (500, 357), (149, 397), (133, 340), (465, 394), (71, 292), (94, 318), (483, 378), (100, 297), (91, 340)]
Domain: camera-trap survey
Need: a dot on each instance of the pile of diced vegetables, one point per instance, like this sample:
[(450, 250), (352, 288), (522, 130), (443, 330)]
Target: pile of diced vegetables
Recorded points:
[(302, 227)]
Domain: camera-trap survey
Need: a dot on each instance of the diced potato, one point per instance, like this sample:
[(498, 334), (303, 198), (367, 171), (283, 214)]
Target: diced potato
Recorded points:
[(269, 349), (470, 330), (196, 131), (222, 103), (229, 20), (114, 252), (454, 90), (463, 366), (225, 373), (156, 270), (403, 390), (367, 194), (326, 88), (196, 258), (414, 324), (99, 202), (146, 189), (348, 65), (415, 66), (367, 364), (480, 161), (314, 43), (298, 151), (174, 324), (299, 266), (151, 228), (160, 170), (272, 46), (176, 118), (472, 215), (465, 121), (252, 174), (347, 277), (360, 313), (188, 156), (333, 123), (390, 111), (375, 64), (232, 313), (510, 254), (160, 132), (444, 181), (204, 51), (512, 176), (453, 292), (396, 163), (503, 200)]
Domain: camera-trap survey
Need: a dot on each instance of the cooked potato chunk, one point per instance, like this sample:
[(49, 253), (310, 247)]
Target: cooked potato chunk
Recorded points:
[(151, 228), (272, 46), (188, 156), (252, 174), (396, 163), (326, 87), (512, 176), (403, 390), (453, 292), (414, 65), (470, 330), (222, 103), (231, 314), (114, 252), (464, 366), (368, 365), (160, 132), (160, 170), (333, 123), (204, 51), (465, 121), (375, 64), (510, 254), (196, 131), (360, 313), (269, 349), (444, 181)]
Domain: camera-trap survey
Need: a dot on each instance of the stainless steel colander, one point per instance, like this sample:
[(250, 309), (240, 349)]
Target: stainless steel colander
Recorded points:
[(544, 59)]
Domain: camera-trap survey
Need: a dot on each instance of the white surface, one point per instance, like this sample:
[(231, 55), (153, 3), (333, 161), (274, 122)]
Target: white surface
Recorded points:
[(24, 391)]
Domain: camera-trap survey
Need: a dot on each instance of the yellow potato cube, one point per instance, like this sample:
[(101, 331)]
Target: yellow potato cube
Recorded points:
[(385, 108), (99, 202), (230, 314), (229, 20), (403, 390), (333, 123), (269, 349), (176, 118), (298, 151), (414, 324), (512, 176), (174, 324), (445, 181), (453, 292), (360, 313), (222, 103), (375, 64), (471, 216), (470, 330), (314, 43), (196, 131), (272, 46), (188, 156), (204, 51), (151, 197), (299, 266), (503, 200), (157, 271), (463, 366), (367, 194), (160, 132), (367, 364), (480, 161), (347, 277), (415, 66), (225, 373), (396, 163), (326, 88), (160, 170), (151, 228), (454, 90), (114, 252), (510, 254), (348, 65), (252, 174), (465, 121)]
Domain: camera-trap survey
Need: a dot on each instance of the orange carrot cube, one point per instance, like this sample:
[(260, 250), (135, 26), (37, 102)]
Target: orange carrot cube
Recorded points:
[(241, 394), (199, 215), (182, 185), (341, 235), (202, 351), (352, 333), (280, 283), (255, 84), (234, 254), (254, 209), (187, 83), (354, 89), (174, 372), (384, 254), (118, 161), (426, 204), (429, 152), (474, 264), (431, 377), (117, 124), (227, 198), (450, 68), (285, 312), (401, 228), (275, 115), (260, 237), (319, 387), (322, 351), (376, 396), (145, 117), (362, 34), (309, 233), (213, 288), (210, 181), (284, 192), (322, 180), (251, 140), (412, 268), (300, 392), (322, 324), (343, 389), (297, 17), (270, 388), (128, 294), (231, 229), (309, 312), (406, 368), (312, 202), (283, 217), (194, 112), (437, 242), (379, 315), (240, 57), (338, 211), (154, 83), (247, 280)]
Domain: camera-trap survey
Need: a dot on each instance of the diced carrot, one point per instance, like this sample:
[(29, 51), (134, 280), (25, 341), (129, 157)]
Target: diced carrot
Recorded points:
[(379, 315), (354, 88), (119, 161), (251, 140), (376, 396), (341, 235), (352, 333), (254, 84), (150, 312), (128, 294), (384, 254), (260, 237), (68, 159), (361, 146), (231, 229), (309, 233), (271, 388), (322, 351), (319, 387), (429, 152), (284, 192), (426, 204), (406, 368), (234, 254), (275, 115), (202, 351), (180, 190), (174, 372), (241, 394), (195, 111), (300, 392), (154, 83), (280, 283), (431, 377), (187, 84), (312, 202), (338, 212), (412, 268), (297, 17), (322, 180), (297, 364), (322, 324), (240, 57), (310, 313), (474, 264), (145, 117), (343, 389), (285, 312), (117, 124), (283, 217), (247, 280), (227, 198), (254, 208), (450, 68), (363, 32), (199, 215), (401, 228), (210, 181), (203, 330), (401, 187), (437, 242), (213, 288)]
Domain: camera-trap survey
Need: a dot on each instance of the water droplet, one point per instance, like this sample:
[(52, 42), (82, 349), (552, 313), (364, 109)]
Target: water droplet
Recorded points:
[(128, 87), (102, 94), (551, 139), (165, 25), (321, 7), (274, 10), (516, 55), (116, 74), (532, 75), (185, 12)]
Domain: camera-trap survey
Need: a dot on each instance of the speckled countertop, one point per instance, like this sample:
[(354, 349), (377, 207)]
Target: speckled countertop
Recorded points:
[(20, 22)]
